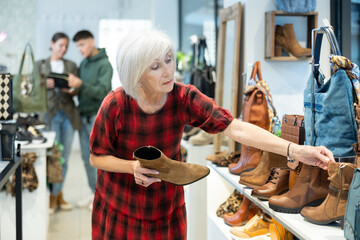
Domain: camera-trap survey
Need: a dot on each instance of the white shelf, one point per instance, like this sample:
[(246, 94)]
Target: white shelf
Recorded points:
[(223, 230), (293, 222)]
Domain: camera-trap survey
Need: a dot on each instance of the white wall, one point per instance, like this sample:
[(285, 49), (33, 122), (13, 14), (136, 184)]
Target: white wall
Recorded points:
[(287, 80)]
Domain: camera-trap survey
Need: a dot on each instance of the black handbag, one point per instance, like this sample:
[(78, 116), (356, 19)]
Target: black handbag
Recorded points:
[(60, 79), (203, 74), (6, 97), (7, 140)]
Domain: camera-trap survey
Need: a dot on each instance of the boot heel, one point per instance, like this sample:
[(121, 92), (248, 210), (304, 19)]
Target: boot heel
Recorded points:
[(342, 223), (278, 51)]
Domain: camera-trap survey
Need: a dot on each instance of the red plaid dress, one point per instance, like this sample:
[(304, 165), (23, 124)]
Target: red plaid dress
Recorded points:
[(123, 209)]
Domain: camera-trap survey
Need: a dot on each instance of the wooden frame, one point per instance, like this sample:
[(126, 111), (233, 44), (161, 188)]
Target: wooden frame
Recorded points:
[(232, 13)]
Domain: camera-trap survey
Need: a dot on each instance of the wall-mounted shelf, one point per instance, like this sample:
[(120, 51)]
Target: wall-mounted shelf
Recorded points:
[(271, 21)]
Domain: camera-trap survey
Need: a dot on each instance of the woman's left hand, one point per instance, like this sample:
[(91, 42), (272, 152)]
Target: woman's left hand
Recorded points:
[(315, 156)]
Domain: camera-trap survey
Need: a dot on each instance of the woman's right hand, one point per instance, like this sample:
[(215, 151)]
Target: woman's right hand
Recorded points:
[(140, 175), (50, 83)]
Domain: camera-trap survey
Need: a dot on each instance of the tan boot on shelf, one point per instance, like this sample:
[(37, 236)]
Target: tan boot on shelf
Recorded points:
[(278, 232), (259, 176), (202, 138), (278, 183), (230, 158), (246, 211), (216, 155), (249, 159), (53, 203), (257, 226), (62, 203), (285, 39), (333, 207), (310, 189), (173, 171)]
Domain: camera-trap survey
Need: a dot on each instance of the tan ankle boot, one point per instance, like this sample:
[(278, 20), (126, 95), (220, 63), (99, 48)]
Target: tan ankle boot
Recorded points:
[(62, 203), (285, 39), (249, 159), (333, 208), (173, 171), (53, 203), (258, 177), (310, 189)]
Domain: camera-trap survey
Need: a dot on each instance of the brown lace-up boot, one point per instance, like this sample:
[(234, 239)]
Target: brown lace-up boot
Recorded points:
[(258, 177), (310, 189), (333, 208), (176, 172), (249, 159), (278, 183)]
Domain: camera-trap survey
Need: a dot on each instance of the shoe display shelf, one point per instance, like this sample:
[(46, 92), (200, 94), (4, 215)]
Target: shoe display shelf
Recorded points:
[(35, 205), (271, 19), (7, 169), (221, 184)]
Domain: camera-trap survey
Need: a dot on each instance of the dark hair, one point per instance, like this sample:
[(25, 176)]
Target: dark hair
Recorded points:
[(59, 35), (83, 34)]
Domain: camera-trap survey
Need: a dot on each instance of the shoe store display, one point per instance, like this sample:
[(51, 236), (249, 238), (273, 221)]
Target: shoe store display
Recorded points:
[(256, 227), (278, 183), (176, 172), (36, 136), (249, 159), (201, 138), (278, 232), (259, 176), (22, 136), (333, 207), (216, 155)]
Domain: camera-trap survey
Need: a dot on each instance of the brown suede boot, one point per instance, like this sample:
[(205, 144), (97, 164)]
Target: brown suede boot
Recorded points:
[(176, 172), (310, 189), (333, 208), (278, 183), (259, 176), (287, 41), (249, 159), (53, 203), (62, 203), (246, 211)]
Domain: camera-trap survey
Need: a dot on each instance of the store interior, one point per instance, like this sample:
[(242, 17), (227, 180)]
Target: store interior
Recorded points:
[(258, 59)]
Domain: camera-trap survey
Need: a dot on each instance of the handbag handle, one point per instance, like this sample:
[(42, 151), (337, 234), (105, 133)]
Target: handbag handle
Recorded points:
[(261, 84), (329, 32), (23, 58)]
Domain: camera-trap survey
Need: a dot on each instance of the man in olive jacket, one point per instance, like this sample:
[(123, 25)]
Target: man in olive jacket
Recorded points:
[(94, 83)]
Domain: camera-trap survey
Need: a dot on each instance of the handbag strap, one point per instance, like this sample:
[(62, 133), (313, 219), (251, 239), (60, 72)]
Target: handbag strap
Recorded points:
[(328, 31), (27, 46), (262, 85)]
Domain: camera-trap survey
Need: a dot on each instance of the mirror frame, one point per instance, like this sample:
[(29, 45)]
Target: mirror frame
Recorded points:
[(228, 14)]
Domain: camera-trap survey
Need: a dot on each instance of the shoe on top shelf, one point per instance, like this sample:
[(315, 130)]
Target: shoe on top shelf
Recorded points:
[(30, 120), (37, 137), (22, 136)]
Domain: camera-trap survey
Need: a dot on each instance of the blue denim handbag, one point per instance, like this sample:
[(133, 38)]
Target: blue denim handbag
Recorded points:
[(329, 107), (352, 213)]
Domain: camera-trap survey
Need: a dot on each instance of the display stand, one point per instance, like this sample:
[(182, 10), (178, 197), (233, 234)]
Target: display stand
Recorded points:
[(7, 169), (35, 204), (295, 223)]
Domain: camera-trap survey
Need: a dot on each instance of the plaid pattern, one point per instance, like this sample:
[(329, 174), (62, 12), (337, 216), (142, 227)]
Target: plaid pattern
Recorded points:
[(120, 128)]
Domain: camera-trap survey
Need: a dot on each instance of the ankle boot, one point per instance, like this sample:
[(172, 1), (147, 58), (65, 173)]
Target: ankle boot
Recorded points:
[(249, 159), (53, 203), (278, 232), (225, 161), (257, 226), (258, 177), (246, 211), (62, 203), (285, 39), (310, 189), (278, 183), (173, 171), (333, 208)]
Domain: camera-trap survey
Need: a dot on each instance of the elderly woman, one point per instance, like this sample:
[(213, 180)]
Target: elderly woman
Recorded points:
[(151, 109)]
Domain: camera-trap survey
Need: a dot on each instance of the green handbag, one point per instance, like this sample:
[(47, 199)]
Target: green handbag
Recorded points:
[(29, 89)]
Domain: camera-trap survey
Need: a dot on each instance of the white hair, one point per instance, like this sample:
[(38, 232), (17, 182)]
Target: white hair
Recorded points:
[(136, 52)]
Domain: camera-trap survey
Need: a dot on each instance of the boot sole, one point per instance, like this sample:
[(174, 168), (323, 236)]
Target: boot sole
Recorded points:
[(239, 174), (341, 218), (265, 198), (296, 210), (249, 184)]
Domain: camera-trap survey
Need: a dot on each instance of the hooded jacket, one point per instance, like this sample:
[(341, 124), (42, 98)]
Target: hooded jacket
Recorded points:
[(95, 73)]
